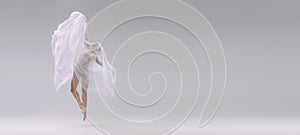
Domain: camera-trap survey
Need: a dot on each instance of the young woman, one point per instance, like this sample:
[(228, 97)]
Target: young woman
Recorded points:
[(74, 57), (81, 73)]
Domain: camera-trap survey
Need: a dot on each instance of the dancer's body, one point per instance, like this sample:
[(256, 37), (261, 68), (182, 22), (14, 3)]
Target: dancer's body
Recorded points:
[(73, 59), (81, 73)]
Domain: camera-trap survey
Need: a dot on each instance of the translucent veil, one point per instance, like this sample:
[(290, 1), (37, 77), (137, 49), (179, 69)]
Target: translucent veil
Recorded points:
[(66, 42), (105, 75)]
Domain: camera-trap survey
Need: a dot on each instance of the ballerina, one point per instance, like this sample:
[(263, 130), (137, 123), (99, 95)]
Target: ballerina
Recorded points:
[(74, 56)]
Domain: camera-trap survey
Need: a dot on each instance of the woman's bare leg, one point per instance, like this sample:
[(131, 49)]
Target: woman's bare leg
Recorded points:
[(84, 100), (74, 84)]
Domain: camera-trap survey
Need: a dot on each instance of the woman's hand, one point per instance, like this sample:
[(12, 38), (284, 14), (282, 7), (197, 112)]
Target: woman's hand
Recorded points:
[(98, 62)]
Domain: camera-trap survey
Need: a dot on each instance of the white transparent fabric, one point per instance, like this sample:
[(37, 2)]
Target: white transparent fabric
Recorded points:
[(73, 54)]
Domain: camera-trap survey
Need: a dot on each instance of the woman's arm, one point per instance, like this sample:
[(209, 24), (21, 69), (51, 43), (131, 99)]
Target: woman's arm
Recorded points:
[(98, 62)]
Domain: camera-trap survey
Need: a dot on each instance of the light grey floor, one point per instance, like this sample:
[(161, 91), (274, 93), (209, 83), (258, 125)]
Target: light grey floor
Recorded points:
[(216, 127)]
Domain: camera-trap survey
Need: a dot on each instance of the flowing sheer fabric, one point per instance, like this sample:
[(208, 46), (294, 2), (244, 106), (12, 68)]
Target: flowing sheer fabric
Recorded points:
[(65, 40), (72, 53), (105, 75)]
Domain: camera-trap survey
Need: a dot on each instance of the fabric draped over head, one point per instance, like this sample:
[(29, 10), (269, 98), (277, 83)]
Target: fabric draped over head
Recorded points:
[(65, 40)]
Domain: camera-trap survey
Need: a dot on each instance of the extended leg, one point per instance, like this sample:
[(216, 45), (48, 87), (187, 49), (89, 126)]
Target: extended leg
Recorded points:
[(74, 84), (84, 100)]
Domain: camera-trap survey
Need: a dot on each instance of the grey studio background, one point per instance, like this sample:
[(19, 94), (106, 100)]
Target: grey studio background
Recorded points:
[(260, 40)]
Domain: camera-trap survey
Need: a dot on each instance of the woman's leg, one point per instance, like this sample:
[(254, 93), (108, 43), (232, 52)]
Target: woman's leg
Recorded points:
[(84, 100), (74, 84)]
